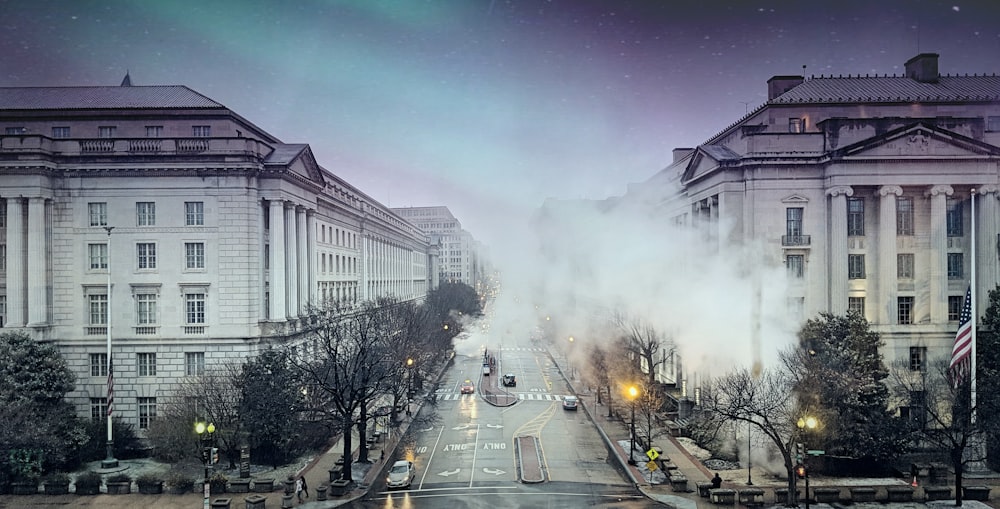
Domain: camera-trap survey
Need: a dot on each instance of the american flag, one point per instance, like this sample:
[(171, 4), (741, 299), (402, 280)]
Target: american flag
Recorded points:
[(961, 351), (111, 388)]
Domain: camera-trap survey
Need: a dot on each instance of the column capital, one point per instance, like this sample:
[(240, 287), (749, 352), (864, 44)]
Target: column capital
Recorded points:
[(289, 205), (987, 189), (940, 189), (887, 190), (840, 190)]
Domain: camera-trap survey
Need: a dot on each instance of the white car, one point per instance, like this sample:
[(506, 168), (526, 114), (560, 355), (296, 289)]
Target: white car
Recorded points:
[(400, 475), (570, 402)]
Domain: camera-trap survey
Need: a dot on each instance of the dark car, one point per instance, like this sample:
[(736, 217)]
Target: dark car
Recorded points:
[(509, 380)]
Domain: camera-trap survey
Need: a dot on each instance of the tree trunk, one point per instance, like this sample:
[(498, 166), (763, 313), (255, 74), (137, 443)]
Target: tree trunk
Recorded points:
[(348, 458), (363, 433), (956, 463)]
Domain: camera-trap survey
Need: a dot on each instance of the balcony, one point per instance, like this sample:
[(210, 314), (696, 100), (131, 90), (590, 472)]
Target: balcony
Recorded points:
[(26, 147), (795, 240)]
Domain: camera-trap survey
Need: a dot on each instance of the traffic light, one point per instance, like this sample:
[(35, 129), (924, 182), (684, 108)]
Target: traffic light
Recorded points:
[(215, 455), (800, 452), (800, 471), (206, 453)]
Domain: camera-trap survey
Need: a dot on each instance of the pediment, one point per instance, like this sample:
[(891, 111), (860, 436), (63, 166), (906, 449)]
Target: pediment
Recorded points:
[(917, 141), (705, 160), (296, 161), (795, 199)]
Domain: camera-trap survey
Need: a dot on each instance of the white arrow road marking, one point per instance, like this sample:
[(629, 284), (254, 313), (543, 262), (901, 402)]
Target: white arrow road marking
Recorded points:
[(497, 426), (494, 472), (446, 474), (458, 428), (426, 430)]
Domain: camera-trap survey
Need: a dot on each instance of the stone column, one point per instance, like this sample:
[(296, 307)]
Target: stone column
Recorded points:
[(312, 296), (277, 247), (302, 247), (292, 260), (38, 256), (263, 219), (988, 233), (16, 295), (887, 287), (938, 283), (837, 248)]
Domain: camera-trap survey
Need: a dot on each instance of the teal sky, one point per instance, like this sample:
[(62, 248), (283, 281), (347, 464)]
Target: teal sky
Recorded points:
[(486, 106)]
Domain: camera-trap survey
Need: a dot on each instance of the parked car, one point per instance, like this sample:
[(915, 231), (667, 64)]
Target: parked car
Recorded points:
[(486, 370), (468, 387), (570, 402), (509, 380), (400, 475)]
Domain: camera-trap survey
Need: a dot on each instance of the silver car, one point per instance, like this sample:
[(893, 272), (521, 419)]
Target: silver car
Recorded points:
[(569, 403), (400, 475)]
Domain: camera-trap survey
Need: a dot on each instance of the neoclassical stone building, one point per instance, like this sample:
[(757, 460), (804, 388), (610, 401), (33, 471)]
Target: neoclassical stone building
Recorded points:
[(860, 186), (212, 236)]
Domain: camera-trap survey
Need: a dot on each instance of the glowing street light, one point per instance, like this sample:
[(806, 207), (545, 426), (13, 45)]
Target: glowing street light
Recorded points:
[(633, 392), (205, 436)]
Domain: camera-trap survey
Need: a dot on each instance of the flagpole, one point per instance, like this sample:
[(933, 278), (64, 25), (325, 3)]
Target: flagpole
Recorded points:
[(972, 282), (110, 461)]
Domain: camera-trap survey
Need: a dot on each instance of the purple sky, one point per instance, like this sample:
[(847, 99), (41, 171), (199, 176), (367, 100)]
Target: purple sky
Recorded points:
[(485, 106)]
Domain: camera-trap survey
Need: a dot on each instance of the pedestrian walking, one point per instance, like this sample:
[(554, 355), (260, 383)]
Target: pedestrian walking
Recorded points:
[(305, 487), (298, 488)]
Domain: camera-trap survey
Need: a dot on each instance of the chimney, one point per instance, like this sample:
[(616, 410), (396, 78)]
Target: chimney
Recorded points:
[(681, 153), (778, 85), (923, 68)]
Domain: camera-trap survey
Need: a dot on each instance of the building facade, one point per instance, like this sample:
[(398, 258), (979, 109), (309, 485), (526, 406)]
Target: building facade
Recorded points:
[(861, 186), (158, 220), (461, 257)]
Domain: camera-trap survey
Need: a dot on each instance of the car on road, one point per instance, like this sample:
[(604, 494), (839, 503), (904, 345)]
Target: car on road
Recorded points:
[(570, 402), (400, 475), (486, 370), (468, 387), (509, 380)]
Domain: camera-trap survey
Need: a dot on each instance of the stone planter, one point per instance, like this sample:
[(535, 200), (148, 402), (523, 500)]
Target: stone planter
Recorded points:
[(339, 487), (826, 495), (179, 489), (216, 487), (119, 488), (336, 472), (678, 483), (722, 496), (56, 488), (781, 495), (88, 490), (321, 493), (222, 503), (751, 497), (263, 485), (932, 493), (899, 493), (703, 488), (150, 487), (255, 502), (980, 493), (862, 495), (23, 488), (239, 486)]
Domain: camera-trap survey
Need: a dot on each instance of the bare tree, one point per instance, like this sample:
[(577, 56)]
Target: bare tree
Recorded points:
[(941, 416), (764, 402), (643, 342)]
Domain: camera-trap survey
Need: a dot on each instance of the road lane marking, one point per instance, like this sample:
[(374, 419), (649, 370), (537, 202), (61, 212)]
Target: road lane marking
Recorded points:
[(431, 458)]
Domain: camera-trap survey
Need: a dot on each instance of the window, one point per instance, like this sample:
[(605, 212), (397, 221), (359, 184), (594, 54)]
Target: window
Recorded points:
[(855, 217), (194, 308), (993, 124), (146, 363), (98, 364), (194, 213), (147, 412), (904, 216), (904, 266), (855, 266), (146, 255), (796, 125), (145, 308), (107, 131), (918, 356), (905, 310), (98, 305), (154, 131), (194, 255), (793, 221), (13, 131), (856, 305), (98, 408), (145, 213), (953, 218), (3, 215), (201, 131), (955, 265), (98, 213), (98, 255), (795, 265), (915, 414), (194, 363), (954, 308), (60, 132), (3, 257)]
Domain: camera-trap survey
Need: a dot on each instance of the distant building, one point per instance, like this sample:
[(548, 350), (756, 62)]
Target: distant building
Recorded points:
[(218, 236), (460, 254), (861, 187)]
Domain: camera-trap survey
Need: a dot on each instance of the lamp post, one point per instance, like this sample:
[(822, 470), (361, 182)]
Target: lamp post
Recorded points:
[(804, 424), (409, 383), (633, 392), (205, 437), (570, 361), (749, 474), (110, 461)]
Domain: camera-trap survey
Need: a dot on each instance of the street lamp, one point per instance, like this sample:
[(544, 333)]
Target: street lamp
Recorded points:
[(806, 423), (110, 461), (633, 392), (570, 361), (205, 437), (409, 383)]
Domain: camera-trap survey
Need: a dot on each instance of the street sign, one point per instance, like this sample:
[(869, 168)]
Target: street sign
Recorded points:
[(652, 454), (815, 452), (652, 466)]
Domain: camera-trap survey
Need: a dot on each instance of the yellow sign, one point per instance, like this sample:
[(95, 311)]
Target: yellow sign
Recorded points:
[(652, 466), (652, 454)]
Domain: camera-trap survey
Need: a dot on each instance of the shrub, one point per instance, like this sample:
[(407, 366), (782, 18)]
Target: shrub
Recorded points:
[(178, 479), (88, 481), (119, 478), (57, 478), (149, 478)]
